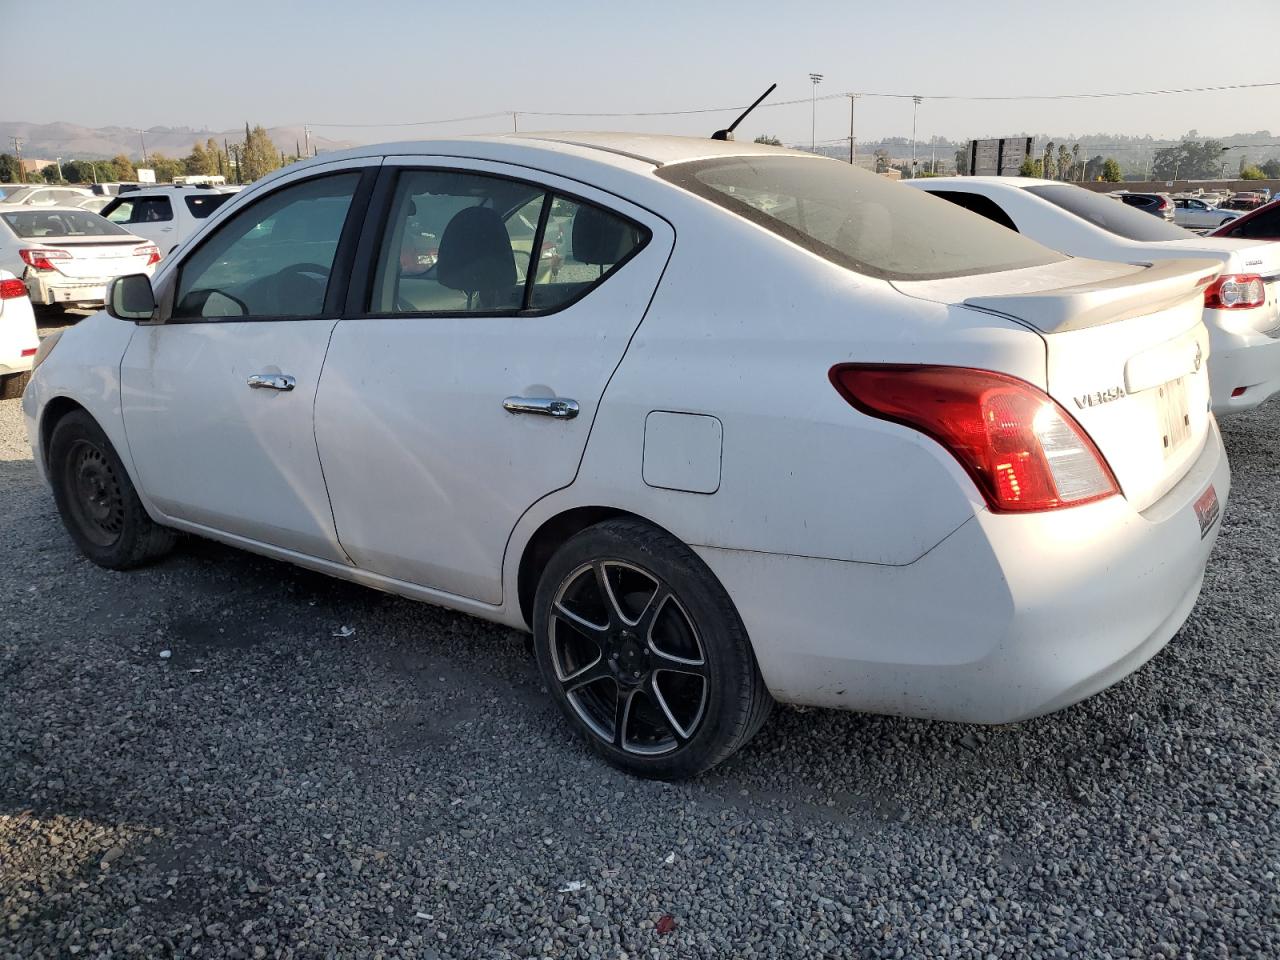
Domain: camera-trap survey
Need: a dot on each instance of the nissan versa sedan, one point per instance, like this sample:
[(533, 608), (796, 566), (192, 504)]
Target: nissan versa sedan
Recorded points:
[(1241, 306), (766, 427)]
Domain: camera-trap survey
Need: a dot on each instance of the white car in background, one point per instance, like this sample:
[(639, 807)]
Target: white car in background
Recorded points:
[(47, 196), (67, 256), (166, 215), (93, 204), (19, 339), (841, 444), (1195, 214), (1241, 305)]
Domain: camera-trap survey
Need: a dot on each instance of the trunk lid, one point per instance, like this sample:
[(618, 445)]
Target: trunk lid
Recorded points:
[(1125, 355), (95, 258)]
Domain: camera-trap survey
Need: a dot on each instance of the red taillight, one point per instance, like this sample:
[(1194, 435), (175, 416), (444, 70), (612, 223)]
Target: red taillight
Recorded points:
[(12, 289), (1235, 291), (150, 251), (43, 259), (1022, 450), (1164, 204), (30, 352)]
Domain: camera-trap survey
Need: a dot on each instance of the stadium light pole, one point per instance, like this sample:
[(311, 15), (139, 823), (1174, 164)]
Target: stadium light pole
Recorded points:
[(815, 79)]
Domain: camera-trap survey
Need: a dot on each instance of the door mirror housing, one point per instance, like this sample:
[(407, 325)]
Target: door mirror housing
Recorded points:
[(131, 298)]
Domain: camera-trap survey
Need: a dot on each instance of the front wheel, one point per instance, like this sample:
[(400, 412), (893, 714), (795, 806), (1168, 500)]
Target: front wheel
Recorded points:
[(644, 652), (96, 498)]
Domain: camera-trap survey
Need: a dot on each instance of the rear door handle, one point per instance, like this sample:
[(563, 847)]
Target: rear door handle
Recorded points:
[(560, 408), (272, 381)]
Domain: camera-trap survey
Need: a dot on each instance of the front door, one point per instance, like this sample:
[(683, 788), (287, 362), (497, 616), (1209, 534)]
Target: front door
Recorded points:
[(218, 398), (464, 389)]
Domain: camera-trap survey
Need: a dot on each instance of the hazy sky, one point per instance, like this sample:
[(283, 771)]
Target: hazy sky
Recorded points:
[(282, 62)]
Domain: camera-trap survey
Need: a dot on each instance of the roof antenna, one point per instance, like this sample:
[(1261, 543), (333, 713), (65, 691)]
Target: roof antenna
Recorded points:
[(727, 134)]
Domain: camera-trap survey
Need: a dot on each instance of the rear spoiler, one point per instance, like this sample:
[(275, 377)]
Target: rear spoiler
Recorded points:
[(1151, 289)]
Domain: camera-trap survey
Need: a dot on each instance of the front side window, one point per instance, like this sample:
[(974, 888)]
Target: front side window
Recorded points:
[(858, 220), (139, 210), (460, 242), (271, 259), (1106, 213)]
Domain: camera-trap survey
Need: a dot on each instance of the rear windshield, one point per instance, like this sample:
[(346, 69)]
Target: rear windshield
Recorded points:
[(37, 223), (857, 219), (1103, 211)]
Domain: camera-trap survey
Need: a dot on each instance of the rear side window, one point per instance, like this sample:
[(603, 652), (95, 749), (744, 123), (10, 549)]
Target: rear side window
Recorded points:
[(1104, 212), (201, 205), (461, 242), (977, 203), (858, 220), (1264, 226), (37, 223), (139, 210)]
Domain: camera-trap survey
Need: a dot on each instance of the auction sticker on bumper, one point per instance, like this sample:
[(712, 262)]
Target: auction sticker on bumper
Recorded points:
[(1207, 510)]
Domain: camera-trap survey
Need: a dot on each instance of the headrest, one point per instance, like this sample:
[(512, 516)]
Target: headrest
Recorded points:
[(475, 252), (599, 237)]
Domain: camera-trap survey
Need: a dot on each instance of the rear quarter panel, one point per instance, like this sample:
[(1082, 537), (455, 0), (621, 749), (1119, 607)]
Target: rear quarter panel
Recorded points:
[(745, 328)]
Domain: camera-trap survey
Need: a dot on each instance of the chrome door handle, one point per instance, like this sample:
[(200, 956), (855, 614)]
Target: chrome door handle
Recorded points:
[(558, 407), (272, 381)]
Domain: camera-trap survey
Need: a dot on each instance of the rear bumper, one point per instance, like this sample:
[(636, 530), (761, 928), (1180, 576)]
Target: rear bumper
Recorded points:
[(1009, 617), (1245, 360), (12, 365), (56, 289)]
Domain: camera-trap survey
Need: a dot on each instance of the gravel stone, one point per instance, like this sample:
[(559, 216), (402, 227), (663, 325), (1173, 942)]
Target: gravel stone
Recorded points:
[(275, 790)]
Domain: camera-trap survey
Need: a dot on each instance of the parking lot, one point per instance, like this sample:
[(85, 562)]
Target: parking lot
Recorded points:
[(227, 756)]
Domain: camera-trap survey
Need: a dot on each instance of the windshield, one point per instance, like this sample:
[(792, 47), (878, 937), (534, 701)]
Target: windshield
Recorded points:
[(42, 224), (1109, 214), (857, 219)]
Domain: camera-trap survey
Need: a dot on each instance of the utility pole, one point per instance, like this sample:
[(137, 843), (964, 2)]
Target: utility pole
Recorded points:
[(306, 134), (515, 126), (815, 79), (915, 109), (17, 151), (144, 147), (59, 162), (853, 149)]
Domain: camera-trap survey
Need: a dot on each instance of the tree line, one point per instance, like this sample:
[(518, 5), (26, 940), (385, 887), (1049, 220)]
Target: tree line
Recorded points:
[(242, 162)]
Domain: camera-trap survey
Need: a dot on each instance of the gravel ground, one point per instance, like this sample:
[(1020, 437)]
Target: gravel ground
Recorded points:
[(275, 789)]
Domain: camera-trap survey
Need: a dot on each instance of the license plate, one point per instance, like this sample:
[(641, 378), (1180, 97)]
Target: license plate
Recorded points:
[(1207, 510), (1175, 416), (75, 294)]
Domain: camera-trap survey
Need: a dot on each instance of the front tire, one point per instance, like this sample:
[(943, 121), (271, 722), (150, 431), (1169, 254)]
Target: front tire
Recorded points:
[(96, 499), (644, 652)]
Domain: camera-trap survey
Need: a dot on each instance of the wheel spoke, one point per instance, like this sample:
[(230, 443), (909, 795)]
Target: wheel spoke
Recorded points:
[(674, 664), (649, 616), (593, 630), (654, 693), (598, 669), (621, 714), (617, 617)]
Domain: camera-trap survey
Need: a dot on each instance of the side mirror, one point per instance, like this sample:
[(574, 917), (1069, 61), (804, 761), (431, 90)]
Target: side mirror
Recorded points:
[(130, 298)]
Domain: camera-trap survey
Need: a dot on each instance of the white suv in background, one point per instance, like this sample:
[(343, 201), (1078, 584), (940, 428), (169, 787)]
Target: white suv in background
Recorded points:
[(166, 215)]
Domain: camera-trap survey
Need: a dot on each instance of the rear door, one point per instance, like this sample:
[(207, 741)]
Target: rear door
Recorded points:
[(218, 398), (464, 385)]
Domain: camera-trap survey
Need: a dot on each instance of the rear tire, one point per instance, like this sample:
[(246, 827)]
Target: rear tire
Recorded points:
[(644, 653), (11, 387), (97, 500)]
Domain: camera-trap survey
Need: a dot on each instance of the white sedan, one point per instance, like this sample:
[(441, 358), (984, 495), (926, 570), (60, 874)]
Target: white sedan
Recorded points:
[(1241, 306), (1196, 214), (19, 340), (67, 256), (722, 424)]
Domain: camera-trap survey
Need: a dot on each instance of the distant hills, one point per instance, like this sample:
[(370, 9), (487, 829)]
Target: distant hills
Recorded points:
[(47, 141)]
